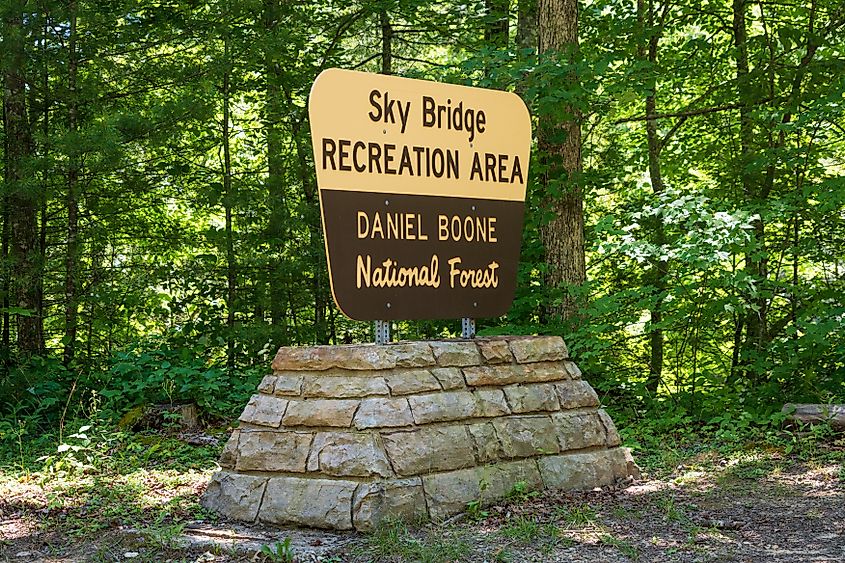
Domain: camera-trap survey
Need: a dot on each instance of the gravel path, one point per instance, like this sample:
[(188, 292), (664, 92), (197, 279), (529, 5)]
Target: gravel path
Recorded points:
[(753, 509)]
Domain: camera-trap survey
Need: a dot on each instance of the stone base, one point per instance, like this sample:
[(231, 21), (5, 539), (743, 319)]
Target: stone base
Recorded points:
[(344, 436)]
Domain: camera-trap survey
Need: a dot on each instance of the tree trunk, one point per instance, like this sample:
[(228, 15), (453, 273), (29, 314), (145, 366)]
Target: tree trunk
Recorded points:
[(42, 211), (659, 266), (72, 250), (23, 203), (755, 260), (563, 235), (4, 247), (497, 29), (526, 24), (386, 43), (228, 198), (305, 170), (277, 225)]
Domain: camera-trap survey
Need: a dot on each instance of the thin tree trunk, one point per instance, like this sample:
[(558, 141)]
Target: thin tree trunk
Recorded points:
[(277, 227), (7, 272), (23, 204), (526, 24), (309, 192), (96, 259), (228, 197), (563, 235), (659, 266), (42, 211), (739, 325), (386, 43), (755, 261), (497, 28), (72, 251), (89, 339)]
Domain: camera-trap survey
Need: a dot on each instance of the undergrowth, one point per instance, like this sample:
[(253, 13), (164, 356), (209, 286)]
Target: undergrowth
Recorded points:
[(662, 441), (99, 478)]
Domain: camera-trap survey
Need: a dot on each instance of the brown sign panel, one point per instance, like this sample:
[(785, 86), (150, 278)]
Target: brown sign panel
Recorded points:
[(422, 190)]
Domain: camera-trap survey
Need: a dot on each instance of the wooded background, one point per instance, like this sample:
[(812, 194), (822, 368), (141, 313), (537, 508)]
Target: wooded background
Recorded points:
[(685, 226)]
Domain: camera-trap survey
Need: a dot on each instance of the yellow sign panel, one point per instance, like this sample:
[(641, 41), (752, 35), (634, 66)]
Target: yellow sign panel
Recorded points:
[(385, 134), (422, 191)]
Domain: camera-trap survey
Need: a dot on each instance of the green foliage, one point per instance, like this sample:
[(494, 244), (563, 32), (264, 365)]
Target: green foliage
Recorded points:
[(522, 529), (625, 548), (100, 478), (75, 453), (577, 516), (475, 507), (280, 551), (475, 510), (176, 376), (392, 539), (503, 555), (100, 447), (521, 491), (162, 534)]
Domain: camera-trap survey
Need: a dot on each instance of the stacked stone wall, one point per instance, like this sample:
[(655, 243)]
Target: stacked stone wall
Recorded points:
[(344, 436)]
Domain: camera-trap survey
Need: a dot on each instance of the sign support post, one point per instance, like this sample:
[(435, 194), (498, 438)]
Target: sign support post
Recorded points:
[(467, 328), (382, 330)]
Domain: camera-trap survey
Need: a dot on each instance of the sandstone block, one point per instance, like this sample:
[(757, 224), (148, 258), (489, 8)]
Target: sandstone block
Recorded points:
[(273, 451), (503, 477), (348, 454), (525, 436), (412, 354), (612, 438), (489, 402), (504, 374), (456, 353), (343, 387), (398, 499), (288, 384), (321, 412), (572, 369), (576, 394), (449, 493), (264, 410), (449, 378), (579, 430), (318, 503), (229, 455), (235, 496), (443, 406), (583, 471), (631, 466), (429, 449), (412, 381), (486, 443), (378, 412), (268, 383), (352, 435), (317, 358), (495, 351), (538, 349), (532, 398)]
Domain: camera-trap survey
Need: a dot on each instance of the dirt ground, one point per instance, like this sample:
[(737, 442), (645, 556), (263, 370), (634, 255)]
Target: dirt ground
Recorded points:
[(749, 508)]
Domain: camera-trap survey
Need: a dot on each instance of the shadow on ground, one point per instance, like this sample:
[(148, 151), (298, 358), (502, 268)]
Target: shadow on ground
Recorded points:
[(752, 507)]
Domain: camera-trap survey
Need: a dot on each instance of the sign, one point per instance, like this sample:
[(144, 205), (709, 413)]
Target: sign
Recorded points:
[(422, 194)]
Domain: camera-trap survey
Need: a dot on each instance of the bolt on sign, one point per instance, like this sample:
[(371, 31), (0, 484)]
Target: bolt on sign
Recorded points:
[(422, 193)]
